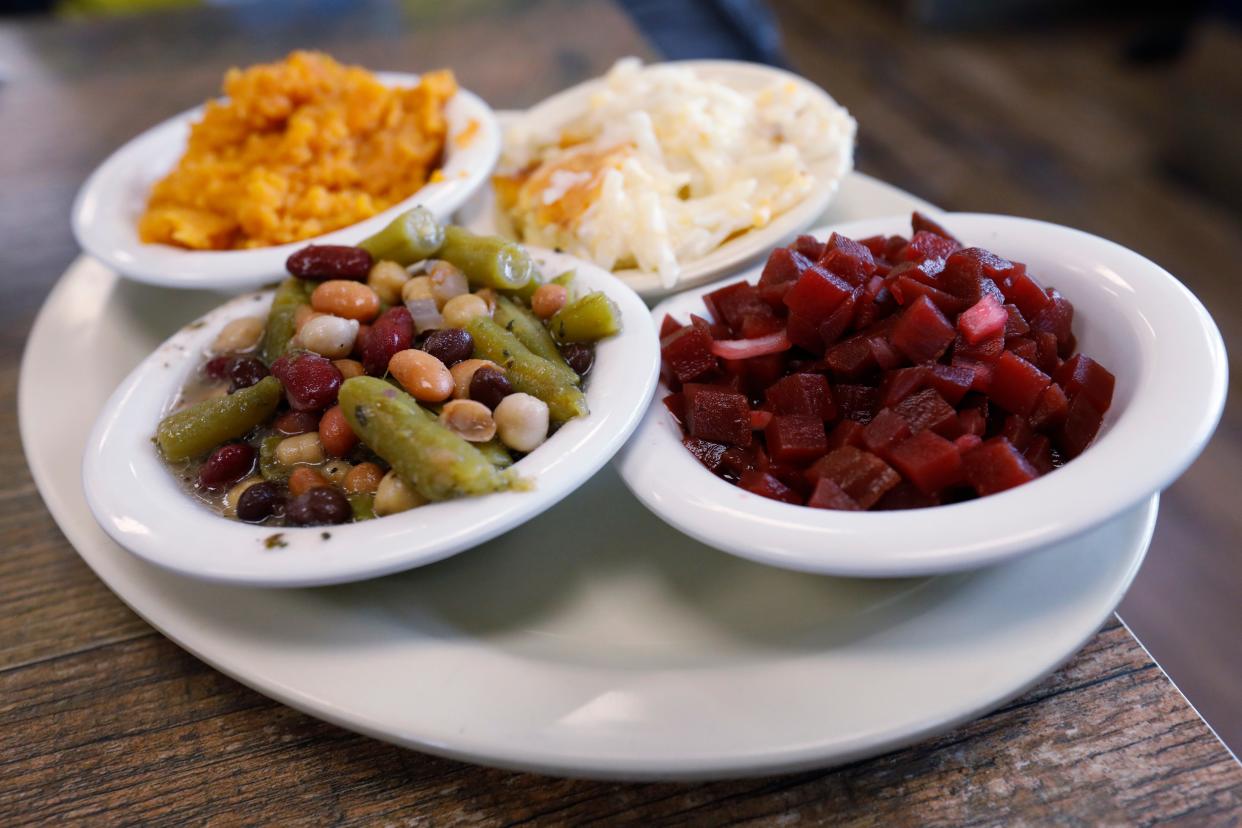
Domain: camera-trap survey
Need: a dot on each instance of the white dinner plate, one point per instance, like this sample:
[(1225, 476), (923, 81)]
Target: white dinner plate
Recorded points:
[(594, 640)]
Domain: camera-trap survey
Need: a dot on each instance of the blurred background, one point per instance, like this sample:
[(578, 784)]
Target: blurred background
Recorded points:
[(1121, 119)]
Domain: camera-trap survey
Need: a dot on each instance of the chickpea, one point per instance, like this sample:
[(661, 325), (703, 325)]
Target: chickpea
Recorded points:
[(461, 309), (463, 372), (303, 314), (424, 376), (447, 281), (522, 422), (301, 448), (469, 420), (349, 300), (489, 296), (394, 495), (234, 494), (548, 299), (239, 335), (329, 336), (417, 288), (349, 368), (304, 478), (337, 470), (386, 279), (364, 477)]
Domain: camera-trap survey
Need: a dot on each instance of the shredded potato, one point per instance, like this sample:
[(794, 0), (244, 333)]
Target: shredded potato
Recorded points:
[(297, 149), (664, 166)]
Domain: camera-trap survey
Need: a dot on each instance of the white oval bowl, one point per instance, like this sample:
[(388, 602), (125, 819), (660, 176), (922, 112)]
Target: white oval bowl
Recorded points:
[(1130, 315), (481, 214), (139, 503), (108, 206)]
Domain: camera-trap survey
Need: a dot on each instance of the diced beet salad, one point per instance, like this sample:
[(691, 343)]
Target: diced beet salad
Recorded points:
[(883, 373)]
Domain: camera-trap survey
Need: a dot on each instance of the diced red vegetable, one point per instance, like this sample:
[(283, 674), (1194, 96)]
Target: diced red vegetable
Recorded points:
[(809, 246), (795, 438), (886, 430), (846, 433), (669, 326), (1082, 423), (816, 294), (922, 333), (783, 268), (688, 353), (1022, 290), (676, 405), (927, 410), (1083, 375), (804, 394), (1016, 384), (828, 495), (767, 485), (848, 259), (928, 461), (1050, 409), (731, 303), (996, 466), (1057, 318), (717, 415), (707, 453), (921, 221), (925, 245), (986, 319), (860, 474)]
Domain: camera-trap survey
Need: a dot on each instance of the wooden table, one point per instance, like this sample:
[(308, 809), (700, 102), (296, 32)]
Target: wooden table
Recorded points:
[(105, 720)]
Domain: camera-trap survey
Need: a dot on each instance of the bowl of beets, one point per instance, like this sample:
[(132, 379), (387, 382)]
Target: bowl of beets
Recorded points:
[(895, 397)]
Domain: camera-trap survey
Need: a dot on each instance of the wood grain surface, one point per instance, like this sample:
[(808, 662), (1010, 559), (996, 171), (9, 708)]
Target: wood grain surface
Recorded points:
[(102, 720)]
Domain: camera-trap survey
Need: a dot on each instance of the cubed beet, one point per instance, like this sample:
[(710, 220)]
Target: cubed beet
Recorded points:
[(861, 474), (986, 351), (996, 466), (874, 303), (1057, 318), (886, 357), (805, 394), (886, 430), (839, 321), (717, 415), (927, 410), (1021, 289), (856, 402), (809, 246), (920, 221), (707, 452), (972, 421), (905, 290), (731, 303), (1024, 347), (1082, 423), (669, 326), (983, 320), (966, 442), (804, 333), (1018, 431), (766, 485), (1039, 454), (902, 383), (676, 405), (982, 372), (950, 381), (848, 259), (927, 272), (783, 268), (760, 323), (1083, 375), (795, 438), (759, 419), (688, 353), (921, 332), (846, 433), (905, 495), (929, 461), (875, 244), (816, 294), (828, 495), (851, 360), (1046, 358), (1016, 384), (1016, 324), (925, 245), (1050, 409)]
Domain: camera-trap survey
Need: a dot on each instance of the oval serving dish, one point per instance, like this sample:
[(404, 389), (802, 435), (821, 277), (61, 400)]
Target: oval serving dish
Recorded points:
[(1132, 315), (106, 210), (137, 501)]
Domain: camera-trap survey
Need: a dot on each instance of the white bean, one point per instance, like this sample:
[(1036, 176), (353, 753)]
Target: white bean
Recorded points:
[(387, 279), (301, 448), (395, 495), (459, 310), (239, 335), (522, 421), (469, 420), (329, 336)]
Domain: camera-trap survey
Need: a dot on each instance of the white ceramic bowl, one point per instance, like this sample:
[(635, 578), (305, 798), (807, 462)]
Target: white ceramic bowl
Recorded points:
[(140, 504), (481, 214), (107, 208), (1130, 315)]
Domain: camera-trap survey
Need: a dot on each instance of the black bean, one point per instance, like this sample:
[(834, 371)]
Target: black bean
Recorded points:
[(262, 500), (321, 506), (580, 357), (449, 345), (489, 386), (245, 371)]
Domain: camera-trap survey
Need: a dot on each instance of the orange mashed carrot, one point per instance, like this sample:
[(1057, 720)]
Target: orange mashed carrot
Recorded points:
[(297, 149)]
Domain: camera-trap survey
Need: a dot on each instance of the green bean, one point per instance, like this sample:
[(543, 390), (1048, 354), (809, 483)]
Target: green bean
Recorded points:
[(435, 461), (280, 328), (410, 237), (526, 371), (488, 261), (363, 505), (586, 319), (496, 453), (198, 429), (269, 467), (531, 332)]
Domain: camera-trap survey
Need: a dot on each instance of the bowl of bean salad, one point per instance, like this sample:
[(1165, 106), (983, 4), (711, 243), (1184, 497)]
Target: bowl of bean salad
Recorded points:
[(386, 405)]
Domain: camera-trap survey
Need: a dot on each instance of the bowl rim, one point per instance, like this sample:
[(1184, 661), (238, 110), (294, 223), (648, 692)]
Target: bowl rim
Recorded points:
[(1180, 388), (162, 523), (470, 154), (481, 214)]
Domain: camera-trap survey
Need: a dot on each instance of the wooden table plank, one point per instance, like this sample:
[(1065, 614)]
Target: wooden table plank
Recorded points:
[(103, 719)]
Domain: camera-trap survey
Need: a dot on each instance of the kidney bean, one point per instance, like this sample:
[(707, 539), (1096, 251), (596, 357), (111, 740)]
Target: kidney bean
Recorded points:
[(580, 357), (334, 432), (226, 465), (260, 501), (392, 332), (319, 262), (489, 386), (323, 505), (217, 368), (311, 382), (297, 422), (245, 372), (449, 345)]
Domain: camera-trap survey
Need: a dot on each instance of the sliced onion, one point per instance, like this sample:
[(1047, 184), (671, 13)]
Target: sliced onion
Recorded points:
[(425, 314), (747, 348)]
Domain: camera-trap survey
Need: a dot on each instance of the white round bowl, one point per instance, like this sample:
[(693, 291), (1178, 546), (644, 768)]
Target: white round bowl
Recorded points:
[(138, 502), (107, 208), (1130, 315), (482, 215)]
